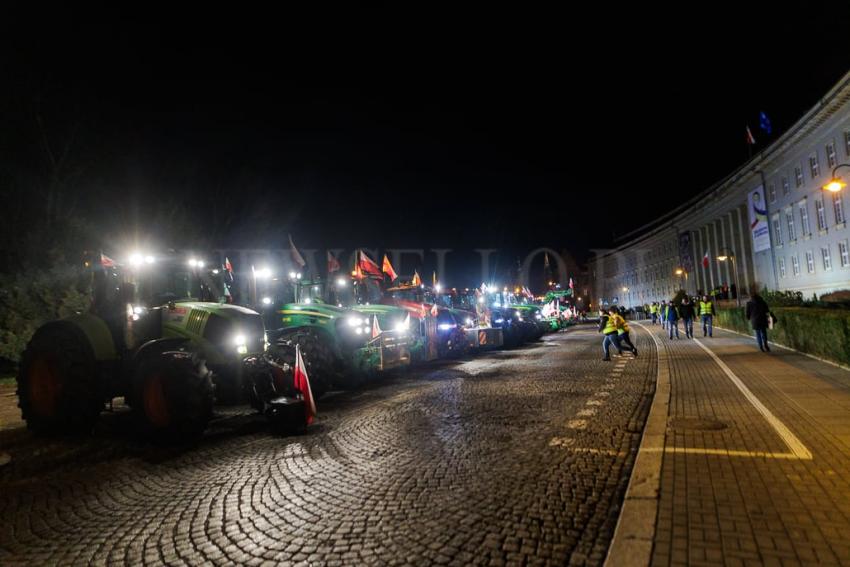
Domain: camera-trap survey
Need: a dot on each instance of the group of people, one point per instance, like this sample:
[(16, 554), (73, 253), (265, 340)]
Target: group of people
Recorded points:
[(616, 332), (670, 314)]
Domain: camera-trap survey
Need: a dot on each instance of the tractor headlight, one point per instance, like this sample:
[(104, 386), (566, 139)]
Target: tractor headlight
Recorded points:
[(241, 343), (469, 321), (267, 301), (538, 316), (354, 321), (446, 326), (499, 321), (402, 326)]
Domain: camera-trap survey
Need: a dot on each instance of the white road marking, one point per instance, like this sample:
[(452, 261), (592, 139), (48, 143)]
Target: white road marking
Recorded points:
[(794, 444)]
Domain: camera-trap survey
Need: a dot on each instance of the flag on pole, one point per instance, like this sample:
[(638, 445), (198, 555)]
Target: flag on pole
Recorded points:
[(106, 261), (750, 140), (705, 260), (302, 383), (368, 265), (434, 279), (376, 328), (228, 266), (571, 283), (764, 123), (434, 310), (295, 254), (416, 279), (333, 263), (545, 260), (388, 269)]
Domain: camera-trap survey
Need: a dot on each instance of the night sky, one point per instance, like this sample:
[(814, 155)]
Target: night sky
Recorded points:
[(542, 129)]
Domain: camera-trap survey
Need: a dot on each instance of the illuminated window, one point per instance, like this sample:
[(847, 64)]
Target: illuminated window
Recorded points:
[(844, 252), (814, 166), (838, 207), (798, 176), (810, 262), (786, 187), (831, 160), (795, 265), (821, 214), (771, 193), (792, 230)]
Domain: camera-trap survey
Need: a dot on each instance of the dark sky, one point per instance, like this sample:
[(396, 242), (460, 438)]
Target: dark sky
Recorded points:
[(457, 131)]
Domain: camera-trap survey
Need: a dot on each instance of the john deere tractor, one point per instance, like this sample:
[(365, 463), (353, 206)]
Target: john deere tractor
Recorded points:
[(158, 335), (345, 333), (472, 314)]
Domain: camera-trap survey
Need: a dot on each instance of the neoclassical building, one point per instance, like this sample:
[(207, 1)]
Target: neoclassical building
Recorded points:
[(770, 222)]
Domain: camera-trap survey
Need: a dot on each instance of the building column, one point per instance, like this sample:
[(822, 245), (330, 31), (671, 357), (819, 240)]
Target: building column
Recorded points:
[(745, 259)]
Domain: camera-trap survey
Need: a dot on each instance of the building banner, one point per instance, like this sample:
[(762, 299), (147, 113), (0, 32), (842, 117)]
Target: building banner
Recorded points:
[(759, 227)]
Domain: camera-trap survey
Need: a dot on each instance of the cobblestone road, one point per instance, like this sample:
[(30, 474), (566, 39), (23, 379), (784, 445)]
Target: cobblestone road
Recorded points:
[(517, 456)]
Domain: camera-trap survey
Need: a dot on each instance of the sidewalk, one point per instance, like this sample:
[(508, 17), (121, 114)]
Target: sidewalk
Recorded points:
[(756, 459)]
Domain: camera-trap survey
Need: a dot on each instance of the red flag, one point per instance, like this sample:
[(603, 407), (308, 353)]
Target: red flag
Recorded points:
[(295, 254), (705, 260), (750, 139), (368, 265), (302, 384), (434, 310), (333, 263), (227, 265), (416, 279), (106, 261), (388, 269), (571, 283)]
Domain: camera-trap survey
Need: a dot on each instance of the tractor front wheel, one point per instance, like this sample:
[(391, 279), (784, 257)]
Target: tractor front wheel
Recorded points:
[(58, 388), (173, 395)]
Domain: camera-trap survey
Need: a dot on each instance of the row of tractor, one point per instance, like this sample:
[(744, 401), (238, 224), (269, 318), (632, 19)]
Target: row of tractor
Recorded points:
[(165, 334)]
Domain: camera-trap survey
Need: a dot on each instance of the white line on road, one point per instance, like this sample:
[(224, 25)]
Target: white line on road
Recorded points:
[(797, 448)]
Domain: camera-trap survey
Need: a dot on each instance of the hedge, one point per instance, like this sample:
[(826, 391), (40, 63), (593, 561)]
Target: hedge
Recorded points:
[(824, 333)]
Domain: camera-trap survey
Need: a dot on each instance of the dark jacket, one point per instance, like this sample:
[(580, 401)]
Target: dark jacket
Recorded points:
[(687, 311), (672, 313), (758, 312)]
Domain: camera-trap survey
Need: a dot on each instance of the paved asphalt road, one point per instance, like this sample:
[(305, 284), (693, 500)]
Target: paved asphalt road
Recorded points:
[(515, 456)]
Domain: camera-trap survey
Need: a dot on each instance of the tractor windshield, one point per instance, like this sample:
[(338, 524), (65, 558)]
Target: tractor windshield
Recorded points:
[(163, 282)]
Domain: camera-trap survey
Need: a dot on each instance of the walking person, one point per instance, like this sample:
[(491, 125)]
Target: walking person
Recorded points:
[(624, 334), (687, 313), (608, 327), (706, 313), (653, 312), (759, 316), (672, 317), (663, 312)]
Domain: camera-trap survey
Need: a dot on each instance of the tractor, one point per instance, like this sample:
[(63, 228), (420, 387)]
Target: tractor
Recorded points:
[(159, 335), (471, 312), (344, 331)]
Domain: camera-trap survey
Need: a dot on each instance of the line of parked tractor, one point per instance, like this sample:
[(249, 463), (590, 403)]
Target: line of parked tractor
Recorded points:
[(164, 333)]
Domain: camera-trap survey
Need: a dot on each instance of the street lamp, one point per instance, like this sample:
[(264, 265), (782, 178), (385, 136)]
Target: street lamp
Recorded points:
[(836, 184), (723, 257), (682, 272)]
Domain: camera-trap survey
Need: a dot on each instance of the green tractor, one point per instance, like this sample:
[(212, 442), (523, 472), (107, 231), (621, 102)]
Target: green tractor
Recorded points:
[(346, 334), (159, 335)]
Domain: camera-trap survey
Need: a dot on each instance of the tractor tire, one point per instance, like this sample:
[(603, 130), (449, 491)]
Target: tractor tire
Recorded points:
[(318, 358), (58, 385), (174, 394)]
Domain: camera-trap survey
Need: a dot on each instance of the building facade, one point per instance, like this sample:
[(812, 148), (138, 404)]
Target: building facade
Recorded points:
[(770, 222)]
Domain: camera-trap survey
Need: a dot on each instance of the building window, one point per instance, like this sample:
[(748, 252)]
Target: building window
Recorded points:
[(792, 230), (810, 262), (771, 193), (827, 259), (814, 166), (831, 160), (786, 187), (844, 251), (795, 265), (847, 142), (777, 231), (798, 176), (838, 206), (821, 214), (781, 267), (804, 219)]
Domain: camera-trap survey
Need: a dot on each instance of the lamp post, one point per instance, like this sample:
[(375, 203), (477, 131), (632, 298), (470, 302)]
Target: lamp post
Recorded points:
[(727, 255), (836, 184), (628, 298), (683, 274)]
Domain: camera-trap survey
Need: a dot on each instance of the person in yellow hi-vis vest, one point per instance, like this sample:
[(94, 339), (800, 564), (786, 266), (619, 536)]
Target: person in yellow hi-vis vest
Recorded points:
[(706, 313), (608, 327), (623, 331), (653, 311)]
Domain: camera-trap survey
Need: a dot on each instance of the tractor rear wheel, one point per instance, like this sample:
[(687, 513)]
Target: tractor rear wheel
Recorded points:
[(58, 388), (318, 358), (173, 395)]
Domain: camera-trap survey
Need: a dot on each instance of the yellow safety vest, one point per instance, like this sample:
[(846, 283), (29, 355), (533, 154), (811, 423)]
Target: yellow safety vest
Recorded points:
[(623, 327), (705, 308), (610, 325), (653, 309)]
